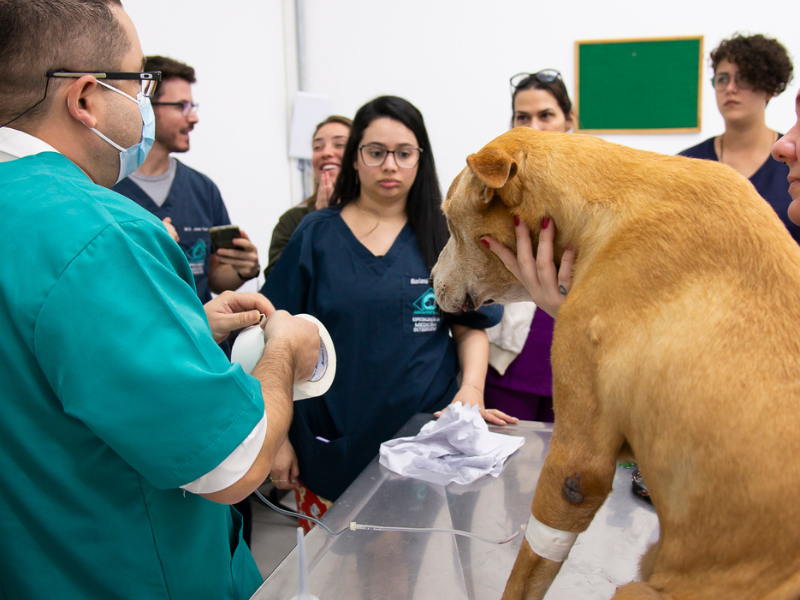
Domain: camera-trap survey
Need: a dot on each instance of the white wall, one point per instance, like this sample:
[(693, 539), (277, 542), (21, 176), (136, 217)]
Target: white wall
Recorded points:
[(451, 58)]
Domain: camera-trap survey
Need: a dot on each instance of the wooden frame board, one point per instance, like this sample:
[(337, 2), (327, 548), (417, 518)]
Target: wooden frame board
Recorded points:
[(651, 85)]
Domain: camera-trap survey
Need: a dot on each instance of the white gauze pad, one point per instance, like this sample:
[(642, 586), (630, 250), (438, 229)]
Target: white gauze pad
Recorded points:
[(547, 542)]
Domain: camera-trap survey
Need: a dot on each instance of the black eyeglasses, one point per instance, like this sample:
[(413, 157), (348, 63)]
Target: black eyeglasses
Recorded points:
[(523, 79), (406, 157), (186, 106), (149, 79)]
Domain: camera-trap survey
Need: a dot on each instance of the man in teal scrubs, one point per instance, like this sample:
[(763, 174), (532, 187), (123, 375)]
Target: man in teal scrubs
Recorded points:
[(125, 432)]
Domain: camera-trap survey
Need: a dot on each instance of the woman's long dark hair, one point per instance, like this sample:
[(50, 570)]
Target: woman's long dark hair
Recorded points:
[(423, 206)]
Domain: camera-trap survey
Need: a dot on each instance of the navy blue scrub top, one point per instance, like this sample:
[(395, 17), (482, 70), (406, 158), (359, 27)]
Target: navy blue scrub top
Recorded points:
[(395, 354), (770, 181)]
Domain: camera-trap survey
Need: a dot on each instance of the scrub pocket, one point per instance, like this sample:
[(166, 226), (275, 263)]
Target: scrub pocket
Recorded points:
[(420, 313), (244, 571)]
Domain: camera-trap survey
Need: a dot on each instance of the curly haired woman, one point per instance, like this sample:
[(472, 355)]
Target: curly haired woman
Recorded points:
[(748, 72)]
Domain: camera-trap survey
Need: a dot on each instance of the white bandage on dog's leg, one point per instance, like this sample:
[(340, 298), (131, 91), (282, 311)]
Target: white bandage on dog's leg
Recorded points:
[(547, 542)]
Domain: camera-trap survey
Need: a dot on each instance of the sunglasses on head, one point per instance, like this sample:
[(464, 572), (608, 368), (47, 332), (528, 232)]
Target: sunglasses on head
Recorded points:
[(521, 80)]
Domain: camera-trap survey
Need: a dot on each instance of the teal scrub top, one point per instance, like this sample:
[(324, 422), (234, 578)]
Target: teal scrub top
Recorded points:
[(113, 395)]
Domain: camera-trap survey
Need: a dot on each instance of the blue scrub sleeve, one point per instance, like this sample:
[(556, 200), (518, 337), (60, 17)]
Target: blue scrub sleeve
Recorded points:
[(483, 318), (124, 342)]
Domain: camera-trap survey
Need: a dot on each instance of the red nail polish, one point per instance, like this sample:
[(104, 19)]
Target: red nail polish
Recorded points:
[(485, 243), (545, 222), (516, 220)]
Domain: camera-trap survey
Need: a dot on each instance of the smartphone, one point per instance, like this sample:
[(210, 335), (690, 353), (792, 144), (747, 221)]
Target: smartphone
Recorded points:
[(222, 236)]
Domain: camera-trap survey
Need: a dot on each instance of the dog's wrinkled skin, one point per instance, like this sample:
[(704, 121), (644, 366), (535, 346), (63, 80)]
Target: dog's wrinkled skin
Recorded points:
[(678, 339)]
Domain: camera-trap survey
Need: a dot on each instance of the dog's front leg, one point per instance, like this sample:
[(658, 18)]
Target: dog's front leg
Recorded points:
[(570, 490), (531, 575), (578, 471)]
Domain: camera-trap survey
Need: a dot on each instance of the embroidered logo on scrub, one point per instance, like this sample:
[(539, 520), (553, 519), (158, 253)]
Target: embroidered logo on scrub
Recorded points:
[(426, 315), (196, 255)]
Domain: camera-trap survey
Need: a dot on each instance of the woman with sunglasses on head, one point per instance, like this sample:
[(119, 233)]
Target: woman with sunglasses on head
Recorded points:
[(519, 380), (362, 268), (748, 72), (327, 147)]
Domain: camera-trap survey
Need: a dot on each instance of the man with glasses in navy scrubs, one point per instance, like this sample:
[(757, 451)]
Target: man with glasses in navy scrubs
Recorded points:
[(125, 432), (187, 201)]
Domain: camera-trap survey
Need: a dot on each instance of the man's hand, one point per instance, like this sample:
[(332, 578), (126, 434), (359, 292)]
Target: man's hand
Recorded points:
[(296, 336), (547, 286), (235, 310), (244, 259)]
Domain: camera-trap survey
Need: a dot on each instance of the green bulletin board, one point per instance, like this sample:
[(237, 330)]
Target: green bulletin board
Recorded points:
[(639, 85)]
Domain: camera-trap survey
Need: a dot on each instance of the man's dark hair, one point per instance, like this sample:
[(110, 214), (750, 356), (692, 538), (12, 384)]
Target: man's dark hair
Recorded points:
[(37, 36), (170, 69), (423, 206), (762, 61)]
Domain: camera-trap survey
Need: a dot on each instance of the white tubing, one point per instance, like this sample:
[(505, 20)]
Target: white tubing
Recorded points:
[(547, 542)]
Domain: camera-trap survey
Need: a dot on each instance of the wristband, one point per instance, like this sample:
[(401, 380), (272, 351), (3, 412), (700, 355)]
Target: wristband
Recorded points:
[(243, 278)]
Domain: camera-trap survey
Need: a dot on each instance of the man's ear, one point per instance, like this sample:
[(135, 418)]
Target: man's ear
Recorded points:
[(81, 97), (494, 167)]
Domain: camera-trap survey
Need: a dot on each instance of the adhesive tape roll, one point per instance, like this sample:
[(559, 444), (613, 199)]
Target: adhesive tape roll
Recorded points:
[(325, 370), (249, 346)]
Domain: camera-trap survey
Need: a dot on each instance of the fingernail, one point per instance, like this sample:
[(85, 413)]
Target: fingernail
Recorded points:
[(485, 243), (516, 220), (545, 222)]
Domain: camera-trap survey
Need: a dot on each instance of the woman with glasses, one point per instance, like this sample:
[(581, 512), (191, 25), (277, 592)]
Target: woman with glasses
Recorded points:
[(748, 72), (327, 147), (362, 267), (519, 380)]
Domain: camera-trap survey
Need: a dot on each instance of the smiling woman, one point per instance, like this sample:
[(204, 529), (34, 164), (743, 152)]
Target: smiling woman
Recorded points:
[(327, 147), (748, 72)]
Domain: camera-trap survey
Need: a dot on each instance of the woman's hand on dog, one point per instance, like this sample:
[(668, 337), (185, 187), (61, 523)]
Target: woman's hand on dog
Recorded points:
[(547, 286)]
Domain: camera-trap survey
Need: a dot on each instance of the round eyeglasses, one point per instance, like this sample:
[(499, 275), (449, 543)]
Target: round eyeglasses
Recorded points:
[(720, 81), (186, 106), (523, 79), (405, 157)]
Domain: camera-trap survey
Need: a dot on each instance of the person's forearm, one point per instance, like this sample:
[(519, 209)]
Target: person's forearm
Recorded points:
[(223, 278), (275, 371), (472, 347)]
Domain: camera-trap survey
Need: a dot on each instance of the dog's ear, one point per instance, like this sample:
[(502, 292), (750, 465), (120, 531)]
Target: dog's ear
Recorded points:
[(494, 167)]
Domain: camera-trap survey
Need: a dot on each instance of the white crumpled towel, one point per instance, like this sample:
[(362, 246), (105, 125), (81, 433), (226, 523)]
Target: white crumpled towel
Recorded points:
[(457, 448)]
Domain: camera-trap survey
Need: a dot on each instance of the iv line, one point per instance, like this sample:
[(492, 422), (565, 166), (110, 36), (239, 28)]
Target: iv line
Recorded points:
[(353, 526)]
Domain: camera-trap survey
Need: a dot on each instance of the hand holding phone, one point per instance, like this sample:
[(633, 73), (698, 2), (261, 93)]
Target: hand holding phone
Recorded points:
[(222, 236)]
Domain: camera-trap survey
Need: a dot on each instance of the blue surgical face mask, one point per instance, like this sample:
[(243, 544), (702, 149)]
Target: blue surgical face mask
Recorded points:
[(132, 158)]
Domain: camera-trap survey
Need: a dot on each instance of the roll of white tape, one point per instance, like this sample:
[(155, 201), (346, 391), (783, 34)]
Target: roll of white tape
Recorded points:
[(249, 346), (325, 370)]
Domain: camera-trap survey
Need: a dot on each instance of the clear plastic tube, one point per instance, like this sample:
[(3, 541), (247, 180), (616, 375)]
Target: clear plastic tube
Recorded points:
[(356, 526)]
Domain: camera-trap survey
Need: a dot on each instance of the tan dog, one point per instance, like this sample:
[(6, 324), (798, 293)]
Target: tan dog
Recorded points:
[(679, 338)]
